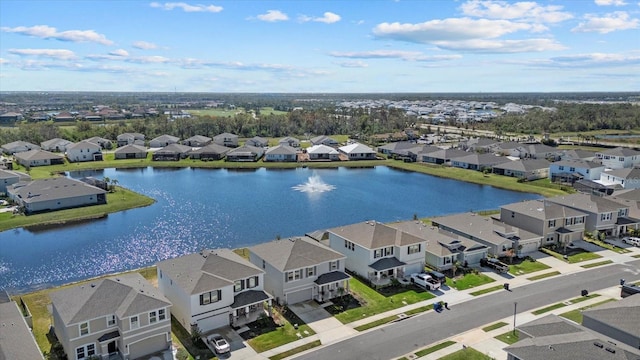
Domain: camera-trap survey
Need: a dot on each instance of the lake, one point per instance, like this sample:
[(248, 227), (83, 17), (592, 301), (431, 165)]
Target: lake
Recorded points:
[(210, 208)]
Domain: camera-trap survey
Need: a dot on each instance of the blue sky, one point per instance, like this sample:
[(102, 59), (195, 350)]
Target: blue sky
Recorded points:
[(320, 46)]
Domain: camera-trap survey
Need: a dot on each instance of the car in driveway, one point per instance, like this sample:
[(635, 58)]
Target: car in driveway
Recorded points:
[(425, 280), (219, 343), (631, 240)]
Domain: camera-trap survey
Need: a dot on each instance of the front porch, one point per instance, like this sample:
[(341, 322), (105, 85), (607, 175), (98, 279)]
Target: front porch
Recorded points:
[(331, 285), (249, 306), (385, 271)]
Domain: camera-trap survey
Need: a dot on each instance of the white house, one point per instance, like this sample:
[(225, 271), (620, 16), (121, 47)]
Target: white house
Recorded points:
[(300, 269), (627, 178), (163, 141), (619, 158), (84, 151), (212, 289), (56, 144), (377, 251), (322, 152), (357, 151), (571, 170), (281, 153), (55, 194), (33, 158)]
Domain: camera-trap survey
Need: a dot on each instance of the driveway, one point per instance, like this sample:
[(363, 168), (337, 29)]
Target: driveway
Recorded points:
[(239, 348), (587, 246), (328, 328)]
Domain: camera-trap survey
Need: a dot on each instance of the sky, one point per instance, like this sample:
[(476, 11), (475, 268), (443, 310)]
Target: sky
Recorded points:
[(321, 46)]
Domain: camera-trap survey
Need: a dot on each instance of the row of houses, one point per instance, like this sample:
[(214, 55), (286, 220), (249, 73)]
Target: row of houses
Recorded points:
[(215, 288)]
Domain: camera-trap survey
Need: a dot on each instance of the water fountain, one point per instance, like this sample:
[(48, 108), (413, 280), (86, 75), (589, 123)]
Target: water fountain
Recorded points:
[(314, 185)]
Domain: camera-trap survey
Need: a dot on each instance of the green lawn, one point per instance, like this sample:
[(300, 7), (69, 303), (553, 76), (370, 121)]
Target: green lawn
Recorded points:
[(487, 290), (576, 315), (572, 259), (636, 256), (494, 326), (419, 310), (587, 266), (549, 308), (375, 303), (510, 337), (280, 336), (605, 245), (527, 267), (434, 348), (469, 281), (376, 323), (297, 350), (466, 354), (122, 199), (545, 275)]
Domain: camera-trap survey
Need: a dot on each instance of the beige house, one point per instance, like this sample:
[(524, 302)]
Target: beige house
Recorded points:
[(55, 194), (33, 158), (123, 315)]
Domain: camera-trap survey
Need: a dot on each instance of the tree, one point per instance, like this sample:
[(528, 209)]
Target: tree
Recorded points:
[(454, 267)]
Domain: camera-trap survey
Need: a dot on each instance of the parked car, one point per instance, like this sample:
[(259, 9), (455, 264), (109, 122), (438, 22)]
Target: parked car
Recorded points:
[(219, 343), (631, 240), (495, 264), (425, 280), (438, 276)]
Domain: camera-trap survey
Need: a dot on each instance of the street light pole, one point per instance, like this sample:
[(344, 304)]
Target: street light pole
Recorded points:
[(515, 307)]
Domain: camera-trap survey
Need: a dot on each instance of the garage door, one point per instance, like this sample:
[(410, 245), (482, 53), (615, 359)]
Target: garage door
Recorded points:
[(299, 296), (529, 248), (213, 322), (148, 346)]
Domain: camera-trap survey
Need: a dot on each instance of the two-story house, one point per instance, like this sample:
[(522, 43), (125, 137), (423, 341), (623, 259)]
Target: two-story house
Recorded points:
[(557, 224), (603, 215), (627, 178), (300, 269), (84, 151), (123, 315), (378, 252), (212, 289), (619, 158), (572, 170), (500, 238)]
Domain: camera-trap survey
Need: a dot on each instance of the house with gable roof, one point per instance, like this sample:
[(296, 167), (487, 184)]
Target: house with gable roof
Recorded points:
[(300, 269), (572, 170), (163, 141), (357, 151), (84, 151), (281, 153), (324, 140), (38, 158), (16, 338), (55, 194), (130, 139), (245, 153), (197, 141), (10, 177), (212, 289), (477, 161), (442, 156), (257, 141), (322, 152), (627, 178), (55, 144), (226, 139), (618, 158), (378, 252), (124, 316), (18, 146), (131, 151), (210, 152), (289, 141), (527, 169)]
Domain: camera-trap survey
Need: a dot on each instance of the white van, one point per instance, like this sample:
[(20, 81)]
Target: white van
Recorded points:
[(631, 240)]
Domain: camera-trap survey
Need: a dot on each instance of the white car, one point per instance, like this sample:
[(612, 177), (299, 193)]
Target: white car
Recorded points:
[(631, 240), (425, 280), (220, 344)]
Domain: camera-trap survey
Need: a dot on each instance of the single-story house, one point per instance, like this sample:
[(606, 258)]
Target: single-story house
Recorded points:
[(212, 289), (226, 139), (578, 154), (324, 140), (197, 141), (527, 169), (10, 117), (122, 317), (357, 151), (104, 143), (210, 152), (540, 151), (38, 158), (163, 141), (480, 145), (130, 139), (323, 152), (10, 177), (245, 153), (171, 152), (131, 151), (18, 146), (300, 269), (281, 153), (56, 145), (55, 194), (84, 151), (290, 141), (257, 141), (478, 162), (442, 156)]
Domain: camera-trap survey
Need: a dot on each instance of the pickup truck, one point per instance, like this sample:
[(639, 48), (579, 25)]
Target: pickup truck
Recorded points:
[(495, 264), (425, 281)]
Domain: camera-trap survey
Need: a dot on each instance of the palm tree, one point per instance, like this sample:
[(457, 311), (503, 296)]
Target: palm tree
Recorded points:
[(454, 267)]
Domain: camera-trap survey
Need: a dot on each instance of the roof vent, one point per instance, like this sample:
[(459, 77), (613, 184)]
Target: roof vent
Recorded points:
[(613, 351), (598, 344)]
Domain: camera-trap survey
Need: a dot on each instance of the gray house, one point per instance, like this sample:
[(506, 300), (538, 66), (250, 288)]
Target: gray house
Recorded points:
[(197, 141), (226, 139), (16, 339), (440, 157), (281, 153), (478, 162), (619, 320), (123, 315), (33, 158), (526, 169), (324, 140), (245, 153), (210, 152), (300, 269), (18, 146), (131, 152), (56, 144), (290, 141), (10, 177), (257, 141), (163, 141), (55, 194)]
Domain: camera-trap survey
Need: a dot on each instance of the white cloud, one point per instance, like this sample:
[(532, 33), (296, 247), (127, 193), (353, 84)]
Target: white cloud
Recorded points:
[(119, 52), (610, 2), (327, 18), (501, 46), (273, 16), (187, 7), (353, 64), (528, 11), (144, 45), (618, 20), (451, 29), (149, 59), (4, 61), (596, 59), (61, 54), (48, 32), (394, 54)]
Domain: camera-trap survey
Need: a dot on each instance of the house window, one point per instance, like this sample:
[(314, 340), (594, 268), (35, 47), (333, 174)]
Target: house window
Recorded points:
[(561, 168), (153, 317), (551, 237), (311, 271), (377, 253), (621, 158), (623, 212), (289, 277), (297, 275), (568, 221), (160, 274), (162, 314), (134, 322), (349, 245), (264, 264), (412, 249), (85, 351), (238, 285), (333, 265), (111, 320), (552, 223), (605, 217), (513, 214), (572, 169), (252, 282), (388, 251), (210, 297), (84, 328)]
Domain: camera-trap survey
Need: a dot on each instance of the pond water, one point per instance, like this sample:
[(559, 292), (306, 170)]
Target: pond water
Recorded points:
[(209, 208)]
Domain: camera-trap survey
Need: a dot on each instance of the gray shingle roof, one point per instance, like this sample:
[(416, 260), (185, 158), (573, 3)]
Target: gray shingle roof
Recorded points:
[(249, 297), (438, 240), (212, 149), (131, 149), (374, 235), (295, 253), (16, 340), (524, 165), (37, 155), (587, 203), (579, 163), (123, 295), (483, 228), (620, 151), (623, 315), (331, 277), (480, 159), (281, 149), (54, 188), (386, 264), (542, 209), (626, 173)]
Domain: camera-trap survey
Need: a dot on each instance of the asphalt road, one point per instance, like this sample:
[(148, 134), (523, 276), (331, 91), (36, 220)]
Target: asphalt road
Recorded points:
[(419, 331)]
